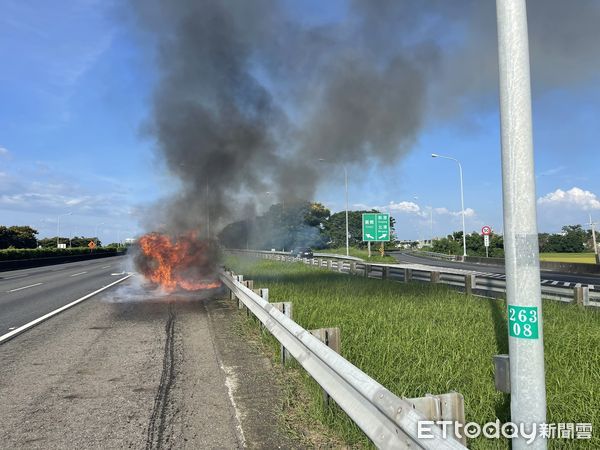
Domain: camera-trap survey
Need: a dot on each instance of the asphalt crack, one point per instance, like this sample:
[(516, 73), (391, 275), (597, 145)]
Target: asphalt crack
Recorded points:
[(157, 424)]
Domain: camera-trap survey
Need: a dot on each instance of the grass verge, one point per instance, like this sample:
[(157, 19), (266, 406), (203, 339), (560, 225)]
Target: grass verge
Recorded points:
[(360, 253), (584, 258), (419, 338)]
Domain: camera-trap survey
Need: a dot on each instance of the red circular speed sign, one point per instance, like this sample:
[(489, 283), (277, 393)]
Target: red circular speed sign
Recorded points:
[(486, 231)]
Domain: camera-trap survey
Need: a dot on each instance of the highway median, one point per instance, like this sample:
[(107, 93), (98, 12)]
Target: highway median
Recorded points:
[(417, 339)]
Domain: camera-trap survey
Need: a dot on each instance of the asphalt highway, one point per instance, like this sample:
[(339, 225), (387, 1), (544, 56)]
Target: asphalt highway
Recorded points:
[(548, 278), (130, 367), (28, 294)]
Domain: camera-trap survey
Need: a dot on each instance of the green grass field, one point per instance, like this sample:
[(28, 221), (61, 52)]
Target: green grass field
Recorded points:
[(588, 258), (360, 253), (418, 338)]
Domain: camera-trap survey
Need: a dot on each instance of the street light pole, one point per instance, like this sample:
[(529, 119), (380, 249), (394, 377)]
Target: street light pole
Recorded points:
[(58, 227), (462, 198), (346, 187), (96, 236), (593, 225), (347, 233), (207, 213), (523, 292)]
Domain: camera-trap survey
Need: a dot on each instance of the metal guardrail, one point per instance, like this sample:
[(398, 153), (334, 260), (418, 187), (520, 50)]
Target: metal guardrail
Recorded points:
[(465, 280), (389, 421)]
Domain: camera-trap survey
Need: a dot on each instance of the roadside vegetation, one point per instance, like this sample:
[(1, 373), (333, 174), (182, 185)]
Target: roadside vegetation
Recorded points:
[(583, 258), (361, 253), (419, 338), (30, 253)]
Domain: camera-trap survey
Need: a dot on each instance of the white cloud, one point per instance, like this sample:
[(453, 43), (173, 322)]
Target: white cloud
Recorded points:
[(469, 212), (574, 198), (3, 151), (394, 207), (405, 207), (413, 208)]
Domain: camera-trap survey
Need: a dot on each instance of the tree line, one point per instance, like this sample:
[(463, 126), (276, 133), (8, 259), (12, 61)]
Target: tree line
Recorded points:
[(296, 224), (571, 239), (23, 237)]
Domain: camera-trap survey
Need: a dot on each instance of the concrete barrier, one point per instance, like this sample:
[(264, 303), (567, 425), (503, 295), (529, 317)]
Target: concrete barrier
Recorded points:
[(17, 264)]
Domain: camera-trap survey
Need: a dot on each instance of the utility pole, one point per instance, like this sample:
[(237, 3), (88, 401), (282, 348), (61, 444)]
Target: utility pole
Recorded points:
[(593, 225), (207, 214), (523, 292), (347, 236)]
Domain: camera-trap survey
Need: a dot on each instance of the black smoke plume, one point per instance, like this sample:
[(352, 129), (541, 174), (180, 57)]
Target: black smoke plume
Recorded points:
[(251, 94)]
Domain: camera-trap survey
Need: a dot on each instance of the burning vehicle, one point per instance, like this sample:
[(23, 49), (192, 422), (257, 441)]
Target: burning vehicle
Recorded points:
[(178, 263)]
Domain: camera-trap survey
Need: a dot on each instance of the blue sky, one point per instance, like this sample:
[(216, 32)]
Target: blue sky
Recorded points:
[(76, 85)]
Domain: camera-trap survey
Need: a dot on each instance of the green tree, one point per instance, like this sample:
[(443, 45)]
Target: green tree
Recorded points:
[(572, 239), (297, 224), (18, 237), (335, 229)]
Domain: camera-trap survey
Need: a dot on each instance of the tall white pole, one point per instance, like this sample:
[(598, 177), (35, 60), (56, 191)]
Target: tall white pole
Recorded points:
[(462, 206), (207, 214), (593, 225), (462, 198), (431, 219), (346, 179), (58, 227), (525, 336), (97, 226)]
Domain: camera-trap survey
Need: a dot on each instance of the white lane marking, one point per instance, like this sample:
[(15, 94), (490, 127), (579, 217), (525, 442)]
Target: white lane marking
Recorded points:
[(554, 283), (105, 267), (591, 286), (11, 328), (117, 274), (24, 287), (578, 285), (545, 281), (15, 276), (7, 336), (75, 274), (566, 284)]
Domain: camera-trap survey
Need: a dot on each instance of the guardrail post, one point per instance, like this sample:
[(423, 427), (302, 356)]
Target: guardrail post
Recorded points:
[(352, 267), (407, 275), (329, 264), (581, 295), (434, 277), (331, 338), (286, 309), (239, 278), (385, 273), (366, 270), (444, 407), (469, 284), (250, 285), (231, 294)]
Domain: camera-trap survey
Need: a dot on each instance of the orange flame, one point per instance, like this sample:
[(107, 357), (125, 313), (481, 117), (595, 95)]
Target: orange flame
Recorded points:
[(182, 263)]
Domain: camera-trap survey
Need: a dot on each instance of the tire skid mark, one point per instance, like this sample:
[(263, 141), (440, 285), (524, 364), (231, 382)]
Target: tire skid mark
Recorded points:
[(156, 426)]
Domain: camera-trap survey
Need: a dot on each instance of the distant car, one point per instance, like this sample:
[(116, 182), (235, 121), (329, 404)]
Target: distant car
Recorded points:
[(302, 252)]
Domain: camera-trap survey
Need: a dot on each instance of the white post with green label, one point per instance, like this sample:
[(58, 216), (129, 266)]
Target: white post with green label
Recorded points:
[(523, 292)]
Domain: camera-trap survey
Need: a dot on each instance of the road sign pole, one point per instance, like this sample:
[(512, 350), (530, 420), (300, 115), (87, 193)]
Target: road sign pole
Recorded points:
[(526, 338), (347, 235)]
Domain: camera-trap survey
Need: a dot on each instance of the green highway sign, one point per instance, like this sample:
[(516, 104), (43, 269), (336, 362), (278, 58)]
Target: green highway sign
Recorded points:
[(375, 227)]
